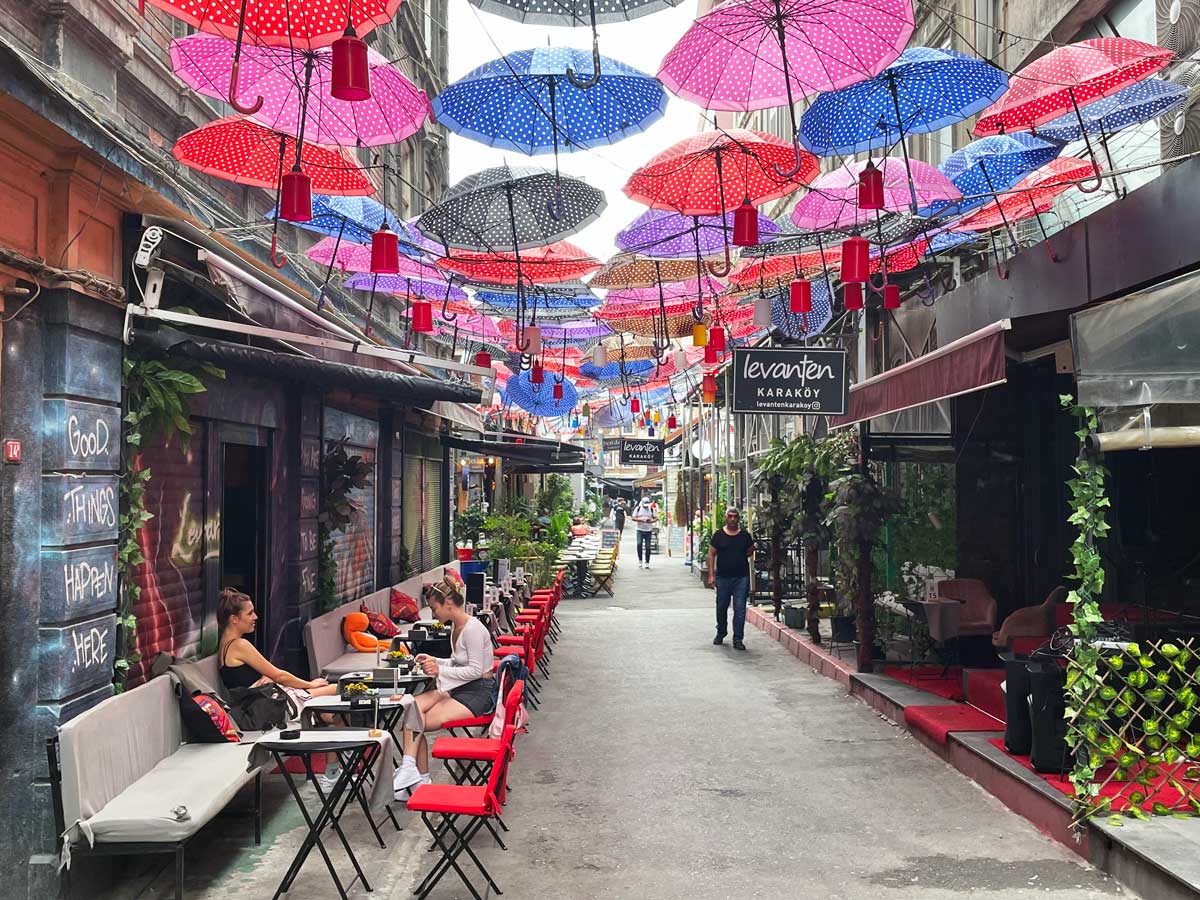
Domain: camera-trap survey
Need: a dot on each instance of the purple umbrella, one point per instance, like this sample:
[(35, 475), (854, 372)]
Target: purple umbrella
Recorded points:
[(399, 284), (666, 235), (295, 87)]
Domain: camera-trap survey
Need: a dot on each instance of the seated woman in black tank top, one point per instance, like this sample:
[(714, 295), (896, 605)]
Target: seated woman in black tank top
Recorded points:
[(242, 666)]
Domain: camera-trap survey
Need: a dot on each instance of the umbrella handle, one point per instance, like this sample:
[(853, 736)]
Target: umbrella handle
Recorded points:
[(926, 293), (783, 173), (1096, 174), (720, 270), (585, 83), (277, 260), (882, 284), (233, 86)]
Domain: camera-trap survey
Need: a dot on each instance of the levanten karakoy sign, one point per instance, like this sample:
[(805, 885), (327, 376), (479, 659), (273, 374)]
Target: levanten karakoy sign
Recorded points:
[(803, 381), (641, 451)]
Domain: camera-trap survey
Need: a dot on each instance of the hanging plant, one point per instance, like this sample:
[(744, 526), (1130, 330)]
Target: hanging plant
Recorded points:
[(157, 403)]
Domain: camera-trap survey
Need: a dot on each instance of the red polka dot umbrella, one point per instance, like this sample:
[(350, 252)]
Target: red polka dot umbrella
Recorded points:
[(245, 152), (1069, 77), (298, 24), (553, 263), (716, 171)]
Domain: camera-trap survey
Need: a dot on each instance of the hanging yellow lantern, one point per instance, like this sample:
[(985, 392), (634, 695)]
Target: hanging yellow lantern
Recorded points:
[(699, 335)]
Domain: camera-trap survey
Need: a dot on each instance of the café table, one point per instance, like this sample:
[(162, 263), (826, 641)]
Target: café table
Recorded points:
[(357, 752), (577, 559)]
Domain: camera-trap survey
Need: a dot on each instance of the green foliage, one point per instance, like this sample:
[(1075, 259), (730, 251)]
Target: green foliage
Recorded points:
[(859, 508), (799, 470), (468, 526), (403, 562), (341, 474), (558, 532), (516, 505), (556, 496), (157, 400), (925, 491)]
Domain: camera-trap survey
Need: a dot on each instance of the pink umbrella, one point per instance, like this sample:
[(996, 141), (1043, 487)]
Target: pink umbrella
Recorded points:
[(757, 54), (832, 201), (675, 290), (396, 109), (352, 257)]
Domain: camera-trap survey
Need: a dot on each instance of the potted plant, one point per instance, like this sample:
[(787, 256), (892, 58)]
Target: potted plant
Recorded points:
[(468, 529), (793, 616), (394, 659), (702, 553)]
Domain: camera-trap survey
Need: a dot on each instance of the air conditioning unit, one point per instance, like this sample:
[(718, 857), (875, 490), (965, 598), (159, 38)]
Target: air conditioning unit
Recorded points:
[(1179, 31)]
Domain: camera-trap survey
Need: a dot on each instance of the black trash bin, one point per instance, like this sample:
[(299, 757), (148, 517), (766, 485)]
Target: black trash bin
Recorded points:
[(1018, 733), (1047, 688)]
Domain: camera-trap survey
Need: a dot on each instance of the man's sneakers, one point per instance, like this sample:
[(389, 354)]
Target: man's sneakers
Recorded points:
[(738, 645), (718, 640)]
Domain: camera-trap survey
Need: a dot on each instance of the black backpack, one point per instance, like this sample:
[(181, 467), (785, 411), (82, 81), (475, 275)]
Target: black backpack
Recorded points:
[(262, 708)]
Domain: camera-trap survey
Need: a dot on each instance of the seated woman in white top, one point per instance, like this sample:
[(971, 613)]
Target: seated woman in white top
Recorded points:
[(465, 688)]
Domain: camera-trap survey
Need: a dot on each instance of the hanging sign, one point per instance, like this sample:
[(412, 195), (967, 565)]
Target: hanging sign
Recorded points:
[(803, 381), (641, 451), (611, 443)]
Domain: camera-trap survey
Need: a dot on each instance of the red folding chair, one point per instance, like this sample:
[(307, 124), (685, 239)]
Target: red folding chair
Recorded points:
[(464, 756), (452, 802)]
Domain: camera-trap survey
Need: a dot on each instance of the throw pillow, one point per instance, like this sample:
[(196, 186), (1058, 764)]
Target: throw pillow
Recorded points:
[(206, 720), (404, 608), (378, 624)]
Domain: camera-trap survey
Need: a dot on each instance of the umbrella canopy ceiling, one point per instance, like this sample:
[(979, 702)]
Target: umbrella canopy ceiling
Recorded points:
[(1069, 77), (510, 208), (403, 285), (525, 102), (351, 257), (804, 325), (733, 57), (573, 12), (355, 219), (298, 24), (673, 290), (396, 109), (627, 271), (715, 171), (244, 152), (925, 90), (560, 261), (1033, 194)]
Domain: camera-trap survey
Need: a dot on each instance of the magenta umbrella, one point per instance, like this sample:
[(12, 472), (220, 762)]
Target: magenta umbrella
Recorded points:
[(758, 54), (352, 257), (675, 290), (294, 85), (832, 200)]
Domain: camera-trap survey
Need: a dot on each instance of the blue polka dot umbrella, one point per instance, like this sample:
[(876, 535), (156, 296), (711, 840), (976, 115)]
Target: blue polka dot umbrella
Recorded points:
[(989, 166), (569, 300), (925, 90), (355, 220), (948, 240), (538, 399), (525, 102), (1138, 103), (804, 325), (613, 372)]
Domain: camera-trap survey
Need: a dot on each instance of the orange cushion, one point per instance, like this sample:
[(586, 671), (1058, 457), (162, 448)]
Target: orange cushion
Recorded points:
[(354, 629)]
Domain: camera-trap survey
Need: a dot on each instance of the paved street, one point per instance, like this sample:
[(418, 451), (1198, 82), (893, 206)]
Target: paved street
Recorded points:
[(661, 767)]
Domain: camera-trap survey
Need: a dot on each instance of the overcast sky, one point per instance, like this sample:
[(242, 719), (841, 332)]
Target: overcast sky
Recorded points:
[(642, 43)]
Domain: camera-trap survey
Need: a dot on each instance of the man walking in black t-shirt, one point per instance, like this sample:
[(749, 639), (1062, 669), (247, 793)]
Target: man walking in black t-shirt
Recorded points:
[(729, 553)]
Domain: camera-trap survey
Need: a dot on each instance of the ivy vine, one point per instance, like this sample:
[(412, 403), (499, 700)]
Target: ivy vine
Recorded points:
[(157, 404), (1087, 504)]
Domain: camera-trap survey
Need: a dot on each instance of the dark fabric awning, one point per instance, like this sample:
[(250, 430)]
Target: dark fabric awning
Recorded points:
[(531, 450), (971, 363), (393, 386)]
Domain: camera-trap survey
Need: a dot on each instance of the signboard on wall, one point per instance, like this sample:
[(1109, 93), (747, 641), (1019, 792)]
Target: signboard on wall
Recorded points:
[(611, 443), (641, 451), (803, 381)]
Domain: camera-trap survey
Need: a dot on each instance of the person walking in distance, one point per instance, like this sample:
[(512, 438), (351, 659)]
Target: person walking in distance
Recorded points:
[(619, 514), (729, 554), (645, 521)]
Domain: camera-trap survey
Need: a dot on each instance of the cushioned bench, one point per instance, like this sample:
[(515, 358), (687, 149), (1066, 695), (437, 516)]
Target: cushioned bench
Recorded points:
[(329, 656), (119, 770)]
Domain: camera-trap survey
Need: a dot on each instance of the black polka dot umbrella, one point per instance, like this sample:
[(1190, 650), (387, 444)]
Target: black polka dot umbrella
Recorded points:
[(510, 208)]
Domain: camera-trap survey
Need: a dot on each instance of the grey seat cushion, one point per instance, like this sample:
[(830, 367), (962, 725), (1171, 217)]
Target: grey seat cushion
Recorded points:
[(349, 662), (202, 777)]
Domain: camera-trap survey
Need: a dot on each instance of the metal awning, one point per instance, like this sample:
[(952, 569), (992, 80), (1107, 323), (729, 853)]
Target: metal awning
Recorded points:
[(392, 386), (531, 451), (972, 363)]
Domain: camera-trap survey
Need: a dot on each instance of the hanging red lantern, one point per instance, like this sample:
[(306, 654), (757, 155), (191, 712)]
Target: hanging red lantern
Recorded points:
[(671, 423), (708, 384), (710, 355), (537, 374), (716, 339), (351, 76), (800, 297), (853, 295), (891, 296), (856, 261), (483, 359), (557, 392), (421, 313), (385, 251), (870, 187), (745, 225), (295, 196), (635, 405), (710, 399)]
